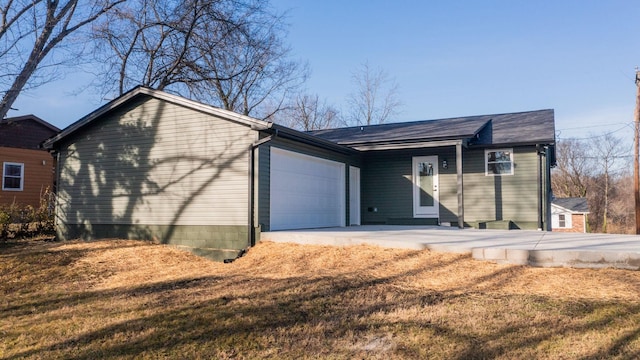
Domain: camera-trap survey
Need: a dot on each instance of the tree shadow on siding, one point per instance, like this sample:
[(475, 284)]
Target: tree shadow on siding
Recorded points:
[(135, 172)]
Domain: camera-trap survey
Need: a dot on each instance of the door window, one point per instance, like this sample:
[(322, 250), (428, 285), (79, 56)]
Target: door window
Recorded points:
[(425, 187)]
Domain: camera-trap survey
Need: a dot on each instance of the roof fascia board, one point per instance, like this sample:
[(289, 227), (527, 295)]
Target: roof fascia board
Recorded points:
[(405, 145), (464, 138), (226, 114), (502, 145)]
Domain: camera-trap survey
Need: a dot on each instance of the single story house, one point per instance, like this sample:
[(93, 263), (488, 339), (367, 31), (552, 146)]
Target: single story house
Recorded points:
[(27, 169), (569, 214), (151, 165)]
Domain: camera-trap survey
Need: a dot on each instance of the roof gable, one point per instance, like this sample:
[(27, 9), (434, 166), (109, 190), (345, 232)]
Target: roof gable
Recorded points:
[(531, 127), (26, 132), (574, 204), (141, 91)]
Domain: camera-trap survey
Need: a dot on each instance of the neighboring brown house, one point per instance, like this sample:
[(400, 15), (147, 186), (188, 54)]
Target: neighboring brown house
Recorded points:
[(27, 169), (569, 215)]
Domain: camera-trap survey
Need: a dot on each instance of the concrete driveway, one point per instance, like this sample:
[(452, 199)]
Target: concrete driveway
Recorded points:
[(520, 247)]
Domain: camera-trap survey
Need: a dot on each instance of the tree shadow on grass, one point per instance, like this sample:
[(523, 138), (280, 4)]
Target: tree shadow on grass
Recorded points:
[(325, 315)]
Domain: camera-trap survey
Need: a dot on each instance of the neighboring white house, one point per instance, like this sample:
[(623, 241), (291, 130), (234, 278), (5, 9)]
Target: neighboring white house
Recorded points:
[(569, 215)]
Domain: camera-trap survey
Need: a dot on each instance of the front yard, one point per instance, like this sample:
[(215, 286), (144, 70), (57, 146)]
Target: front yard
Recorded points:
[(126, 299)]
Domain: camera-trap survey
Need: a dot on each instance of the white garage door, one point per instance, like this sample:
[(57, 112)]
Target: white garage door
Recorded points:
[(306, 191)]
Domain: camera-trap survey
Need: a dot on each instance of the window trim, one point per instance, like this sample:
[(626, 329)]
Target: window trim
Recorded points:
[(4, 175), (486, 161), (562, 221)]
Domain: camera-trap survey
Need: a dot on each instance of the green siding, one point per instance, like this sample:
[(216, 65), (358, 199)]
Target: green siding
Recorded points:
[(215, 242), (387, 186), (155, 163), (502, 198)]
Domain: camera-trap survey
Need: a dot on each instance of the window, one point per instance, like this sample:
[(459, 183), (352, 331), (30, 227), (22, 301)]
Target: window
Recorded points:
[(499, 162), (12, 176), (562, 222)]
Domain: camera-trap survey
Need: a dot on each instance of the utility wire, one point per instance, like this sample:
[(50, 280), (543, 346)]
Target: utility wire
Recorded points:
[(595, 126), (592, 136)]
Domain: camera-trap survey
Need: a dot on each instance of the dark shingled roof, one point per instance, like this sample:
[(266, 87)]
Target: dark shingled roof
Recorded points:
[(531, 127), (26, 132), (575, 204)]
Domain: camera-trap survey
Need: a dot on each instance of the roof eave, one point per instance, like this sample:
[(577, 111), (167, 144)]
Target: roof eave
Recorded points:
[(400, 145), (145, 91), (514, 144), (285, 132)]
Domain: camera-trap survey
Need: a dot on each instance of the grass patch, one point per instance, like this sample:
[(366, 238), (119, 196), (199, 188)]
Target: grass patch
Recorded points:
[(126, 299)]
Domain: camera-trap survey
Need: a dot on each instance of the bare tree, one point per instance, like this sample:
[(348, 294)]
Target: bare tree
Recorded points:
[(375, 98), (31, 31), (309, 113), (595, 168), (227, 53), (622, 205), (608, 151), (574, 169)]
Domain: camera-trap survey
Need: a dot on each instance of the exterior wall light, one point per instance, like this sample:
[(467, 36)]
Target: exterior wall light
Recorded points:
[(445, 164)]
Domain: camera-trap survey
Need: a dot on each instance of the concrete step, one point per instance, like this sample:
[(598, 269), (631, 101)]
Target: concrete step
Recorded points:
[(518, 247)]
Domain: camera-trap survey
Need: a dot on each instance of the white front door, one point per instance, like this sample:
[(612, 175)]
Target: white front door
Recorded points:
[(354, 195), (425, 187)]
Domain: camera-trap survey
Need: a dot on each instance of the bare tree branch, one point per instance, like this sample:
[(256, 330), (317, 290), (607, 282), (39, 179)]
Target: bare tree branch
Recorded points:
[(594, 169), (375, 99), (309, 113), (52, 22), (227, 53)]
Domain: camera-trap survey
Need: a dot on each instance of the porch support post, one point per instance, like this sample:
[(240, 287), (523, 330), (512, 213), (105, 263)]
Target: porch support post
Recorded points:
[(459, 182)]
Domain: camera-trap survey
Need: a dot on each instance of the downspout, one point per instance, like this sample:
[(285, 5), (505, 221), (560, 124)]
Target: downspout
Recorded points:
[(547, 187), (56, 156), (460, 184), (251, 232), (540, 192), (251, 241)]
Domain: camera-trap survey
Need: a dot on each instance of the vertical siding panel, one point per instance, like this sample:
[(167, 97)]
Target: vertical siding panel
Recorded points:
[(448, 186), (479, 190), (386, 187)]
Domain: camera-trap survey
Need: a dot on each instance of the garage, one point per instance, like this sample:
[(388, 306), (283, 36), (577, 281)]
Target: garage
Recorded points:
[(306, 191)]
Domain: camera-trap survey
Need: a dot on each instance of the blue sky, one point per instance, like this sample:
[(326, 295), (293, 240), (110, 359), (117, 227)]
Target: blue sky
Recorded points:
[(453, 58)]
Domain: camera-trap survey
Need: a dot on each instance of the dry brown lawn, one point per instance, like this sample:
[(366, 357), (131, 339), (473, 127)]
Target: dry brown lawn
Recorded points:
[(126, 299)]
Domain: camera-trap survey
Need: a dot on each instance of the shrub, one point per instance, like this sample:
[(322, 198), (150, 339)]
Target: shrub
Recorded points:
[(18, 221)]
